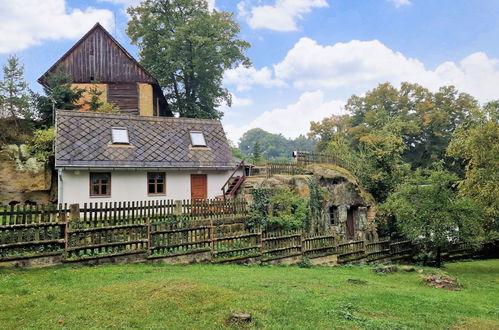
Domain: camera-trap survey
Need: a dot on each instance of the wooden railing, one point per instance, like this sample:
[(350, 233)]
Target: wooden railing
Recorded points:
[(231, 177)]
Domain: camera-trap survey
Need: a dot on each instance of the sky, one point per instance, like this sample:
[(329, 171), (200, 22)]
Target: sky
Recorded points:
[(308, 56)]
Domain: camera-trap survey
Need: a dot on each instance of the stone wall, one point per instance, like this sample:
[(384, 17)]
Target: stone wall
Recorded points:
[(22, 177)]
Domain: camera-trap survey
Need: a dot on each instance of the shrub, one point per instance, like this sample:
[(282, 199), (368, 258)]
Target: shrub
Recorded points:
[(41, 144)]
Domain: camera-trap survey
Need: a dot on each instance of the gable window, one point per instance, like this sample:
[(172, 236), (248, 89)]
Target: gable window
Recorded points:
[(197, 139), (156, 183), (100, 184), (120, 135)]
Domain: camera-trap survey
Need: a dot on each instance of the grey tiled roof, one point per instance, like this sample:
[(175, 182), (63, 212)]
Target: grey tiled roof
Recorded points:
[(83, 139)]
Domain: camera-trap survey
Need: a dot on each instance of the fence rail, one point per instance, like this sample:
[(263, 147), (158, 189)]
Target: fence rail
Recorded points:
[(283, 167), (170, 228)]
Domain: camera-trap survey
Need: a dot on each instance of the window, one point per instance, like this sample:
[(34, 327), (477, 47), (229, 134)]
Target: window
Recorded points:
[(120, 135), (100, 184), (156, 183), (197, 139), (333, 214)]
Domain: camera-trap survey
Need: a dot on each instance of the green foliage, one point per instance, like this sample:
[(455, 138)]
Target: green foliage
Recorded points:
[(258, 209), (237, 153), (188, 48), (305, 263), (429, 213), (256, 153), (16, 110), (289, 211), (273, 146), (476, 145), (108, 108), (280, 209), (41, 145), (14, 93), (94, 103), (59, 94), (390, 131)]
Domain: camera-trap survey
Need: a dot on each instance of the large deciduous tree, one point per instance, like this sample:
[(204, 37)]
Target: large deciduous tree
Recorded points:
[(188, 48), (476, 145), (431, 215)]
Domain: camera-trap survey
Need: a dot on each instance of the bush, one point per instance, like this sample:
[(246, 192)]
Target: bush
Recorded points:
[(108, 108), (41, 144), (281, 209)]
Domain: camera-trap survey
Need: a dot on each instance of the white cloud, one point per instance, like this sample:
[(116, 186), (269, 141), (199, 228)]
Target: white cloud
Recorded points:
[(30, 22), (361, 65), (292, 120), (241, 101), (244, 78), (282, 16), (399, 3)]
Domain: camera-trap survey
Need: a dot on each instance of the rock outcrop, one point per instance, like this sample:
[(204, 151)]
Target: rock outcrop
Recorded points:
[(22, 177), (348, 210)]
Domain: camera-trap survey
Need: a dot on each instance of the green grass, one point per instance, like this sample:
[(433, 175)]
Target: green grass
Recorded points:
[(204, 296)]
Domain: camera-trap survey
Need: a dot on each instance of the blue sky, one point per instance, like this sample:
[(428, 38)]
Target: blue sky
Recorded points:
[(308, 56)]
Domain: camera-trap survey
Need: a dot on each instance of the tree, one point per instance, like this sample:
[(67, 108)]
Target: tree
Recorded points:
[(274, 145), (257, 152), (476, 145), (431, 215), (14, 93), (59, 94), (188, 48)]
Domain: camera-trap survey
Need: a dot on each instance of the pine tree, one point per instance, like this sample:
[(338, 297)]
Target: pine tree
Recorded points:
[(14, 92)]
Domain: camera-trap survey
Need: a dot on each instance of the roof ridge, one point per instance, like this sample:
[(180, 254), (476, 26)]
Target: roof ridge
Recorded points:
[(77, 113)]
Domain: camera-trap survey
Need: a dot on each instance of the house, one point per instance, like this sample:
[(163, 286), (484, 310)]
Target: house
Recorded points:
[(98, 61), (115, 157)]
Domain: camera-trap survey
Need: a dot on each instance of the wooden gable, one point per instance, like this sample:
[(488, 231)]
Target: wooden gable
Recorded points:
[(97, 56)]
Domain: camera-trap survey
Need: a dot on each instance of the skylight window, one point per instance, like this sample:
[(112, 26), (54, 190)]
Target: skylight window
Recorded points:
[(120, 135), (197, 139)]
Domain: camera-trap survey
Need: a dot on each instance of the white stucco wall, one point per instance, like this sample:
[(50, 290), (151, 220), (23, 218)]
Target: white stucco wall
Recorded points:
[(74, 186)]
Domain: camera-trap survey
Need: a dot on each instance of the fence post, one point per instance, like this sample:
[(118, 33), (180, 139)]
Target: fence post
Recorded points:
[(178, 208), (148, 223), (260, 236), (212, 238), (74, 215)]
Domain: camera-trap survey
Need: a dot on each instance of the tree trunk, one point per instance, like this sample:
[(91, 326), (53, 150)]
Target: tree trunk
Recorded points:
[(439, 257)]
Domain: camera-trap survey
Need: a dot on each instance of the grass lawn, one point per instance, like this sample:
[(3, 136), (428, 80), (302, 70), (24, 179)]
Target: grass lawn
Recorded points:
[(204, 296)]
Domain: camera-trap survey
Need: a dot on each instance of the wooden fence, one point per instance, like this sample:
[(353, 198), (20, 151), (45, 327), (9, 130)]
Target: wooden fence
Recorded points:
[(304, 158), (169, 228), (31, 230), (283, 167)]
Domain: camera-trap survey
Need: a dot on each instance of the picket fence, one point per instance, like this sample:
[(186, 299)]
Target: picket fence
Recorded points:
[(167, 228)]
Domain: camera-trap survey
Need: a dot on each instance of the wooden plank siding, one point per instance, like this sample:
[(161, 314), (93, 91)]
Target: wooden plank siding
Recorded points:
[(125, 96), (98, 57)]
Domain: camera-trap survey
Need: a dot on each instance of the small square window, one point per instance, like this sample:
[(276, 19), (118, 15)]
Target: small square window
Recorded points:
[(156, 183), (197, 139), (120, 135), (100, 184)]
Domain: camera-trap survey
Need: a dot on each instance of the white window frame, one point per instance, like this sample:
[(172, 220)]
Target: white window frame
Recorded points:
[(116, 139), (193, 139)]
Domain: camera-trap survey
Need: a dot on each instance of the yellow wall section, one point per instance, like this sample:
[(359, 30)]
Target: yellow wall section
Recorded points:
[(86, 96), (145, 100)]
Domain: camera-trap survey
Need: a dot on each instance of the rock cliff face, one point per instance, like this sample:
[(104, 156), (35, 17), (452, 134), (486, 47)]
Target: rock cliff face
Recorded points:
[(348, 210), (22, 177)]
